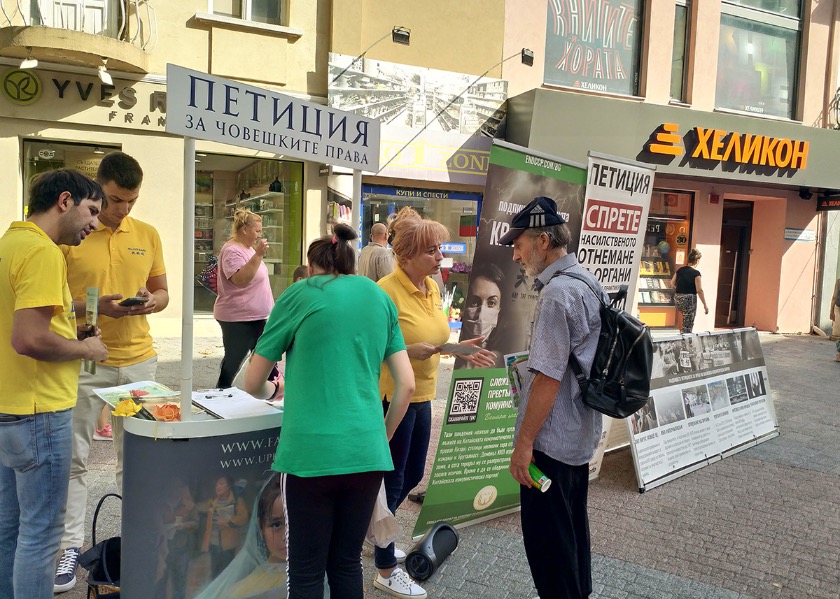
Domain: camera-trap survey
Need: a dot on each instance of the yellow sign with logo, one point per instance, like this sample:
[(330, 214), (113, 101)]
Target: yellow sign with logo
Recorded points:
[(719, 145), (22, 87)]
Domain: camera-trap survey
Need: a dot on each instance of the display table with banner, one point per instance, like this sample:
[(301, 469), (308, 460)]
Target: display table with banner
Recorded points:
[(189, 488), (710, 398)]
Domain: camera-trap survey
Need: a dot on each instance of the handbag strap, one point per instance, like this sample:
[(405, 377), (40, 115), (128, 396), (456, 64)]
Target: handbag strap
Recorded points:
[(98, 507)]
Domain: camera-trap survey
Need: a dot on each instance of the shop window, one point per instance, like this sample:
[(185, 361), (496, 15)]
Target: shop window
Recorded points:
[(258, 11), (458, 211), (41, 156), (271, 188), (594, 45), (790, 8), (678, 62), (666, 246), (757, 61)]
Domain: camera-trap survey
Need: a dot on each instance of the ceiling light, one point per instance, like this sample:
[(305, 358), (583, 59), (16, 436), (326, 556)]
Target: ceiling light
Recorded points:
[(200, 154), (96, 150), (29, 62)]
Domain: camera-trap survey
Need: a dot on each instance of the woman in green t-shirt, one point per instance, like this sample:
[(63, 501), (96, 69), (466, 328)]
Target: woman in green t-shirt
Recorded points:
[(335, 330)]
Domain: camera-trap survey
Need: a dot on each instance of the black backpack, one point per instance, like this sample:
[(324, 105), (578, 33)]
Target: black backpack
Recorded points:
[(619, 382)]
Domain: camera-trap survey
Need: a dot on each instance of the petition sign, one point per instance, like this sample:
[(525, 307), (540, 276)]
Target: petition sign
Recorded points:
[(614, 220), (204, 106)]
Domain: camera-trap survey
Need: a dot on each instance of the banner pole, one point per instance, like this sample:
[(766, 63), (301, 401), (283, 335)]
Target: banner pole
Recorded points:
[(188, 291)]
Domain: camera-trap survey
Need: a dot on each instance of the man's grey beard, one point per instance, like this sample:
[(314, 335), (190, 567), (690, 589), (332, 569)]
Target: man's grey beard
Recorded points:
[(532, 270)]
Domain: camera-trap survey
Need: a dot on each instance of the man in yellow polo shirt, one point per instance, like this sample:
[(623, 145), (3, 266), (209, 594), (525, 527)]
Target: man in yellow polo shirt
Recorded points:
[(40, 351), (122, 258)]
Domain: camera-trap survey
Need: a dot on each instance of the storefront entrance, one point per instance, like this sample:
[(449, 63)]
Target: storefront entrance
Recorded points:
[(735, 236), (458, 211)]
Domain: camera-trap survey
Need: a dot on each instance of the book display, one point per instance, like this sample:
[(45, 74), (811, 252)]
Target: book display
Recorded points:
[(655, 282), (664, 251)]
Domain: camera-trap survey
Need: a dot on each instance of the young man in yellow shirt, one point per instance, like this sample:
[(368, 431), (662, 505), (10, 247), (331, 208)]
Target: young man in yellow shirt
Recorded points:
[(123, 257), (40, 351)]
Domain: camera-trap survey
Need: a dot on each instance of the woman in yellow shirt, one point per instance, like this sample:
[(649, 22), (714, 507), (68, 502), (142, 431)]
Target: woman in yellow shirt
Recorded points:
[(416, 243)]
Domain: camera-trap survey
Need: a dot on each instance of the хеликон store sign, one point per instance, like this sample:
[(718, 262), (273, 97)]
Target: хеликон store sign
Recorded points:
[(207, 107), (729, 148)]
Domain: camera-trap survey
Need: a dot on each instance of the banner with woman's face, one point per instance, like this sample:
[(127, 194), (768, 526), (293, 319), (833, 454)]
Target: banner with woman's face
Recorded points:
[(500, 298)]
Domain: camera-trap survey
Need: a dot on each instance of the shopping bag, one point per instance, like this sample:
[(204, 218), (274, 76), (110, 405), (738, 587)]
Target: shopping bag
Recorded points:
[(209, 276), (102, 561), (383, 529)]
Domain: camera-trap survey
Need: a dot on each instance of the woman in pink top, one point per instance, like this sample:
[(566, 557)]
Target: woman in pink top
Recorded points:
[(245, 298)]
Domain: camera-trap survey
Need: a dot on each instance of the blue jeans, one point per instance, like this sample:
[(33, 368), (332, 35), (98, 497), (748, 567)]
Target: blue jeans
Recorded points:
[(409, 447), (35, 453)]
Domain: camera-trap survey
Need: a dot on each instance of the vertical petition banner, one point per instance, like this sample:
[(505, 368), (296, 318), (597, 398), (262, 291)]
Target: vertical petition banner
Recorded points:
[(709, 397), (614, 221)]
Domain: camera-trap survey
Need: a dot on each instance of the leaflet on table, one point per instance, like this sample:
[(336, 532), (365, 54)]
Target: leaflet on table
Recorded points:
[(144, 391), (233, 403), (516, 365)]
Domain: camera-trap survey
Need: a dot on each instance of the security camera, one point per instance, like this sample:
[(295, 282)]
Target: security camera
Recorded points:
[(805, 193)]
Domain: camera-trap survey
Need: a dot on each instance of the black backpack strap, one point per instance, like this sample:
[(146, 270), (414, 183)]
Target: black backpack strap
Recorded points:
[(574, 363), (620, 297)]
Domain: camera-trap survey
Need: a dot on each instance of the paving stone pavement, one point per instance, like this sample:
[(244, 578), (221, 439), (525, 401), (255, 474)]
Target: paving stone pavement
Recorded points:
[(763, 523)]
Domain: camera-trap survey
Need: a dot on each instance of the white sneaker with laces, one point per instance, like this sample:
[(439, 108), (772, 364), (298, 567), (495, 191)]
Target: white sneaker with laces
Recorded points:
[(65, 573), (399, 584), (400, 555)]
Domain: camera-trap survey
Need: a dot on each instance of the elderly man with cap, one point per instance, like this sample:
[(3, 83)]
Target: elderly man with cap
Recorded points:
[(554, 429)]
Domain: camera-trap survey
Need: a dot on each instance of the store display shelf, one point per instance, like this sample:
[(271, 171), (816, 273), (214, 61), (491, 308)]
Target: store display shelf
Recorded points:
[(268, 211), (400, 99), (486, 104), (352, 74), (272, 226), (273, 260), (377, 91), (201, 204)]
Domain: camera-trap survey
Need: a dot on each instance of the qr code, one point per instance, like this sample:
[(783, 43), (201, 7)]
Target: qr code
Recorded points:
[(465, 399)]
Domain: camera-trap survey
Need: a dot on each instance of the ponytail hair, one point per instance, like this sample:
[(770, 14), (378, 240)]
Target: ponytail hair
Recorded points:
[(694, 255), (332, 253), (243, 218)]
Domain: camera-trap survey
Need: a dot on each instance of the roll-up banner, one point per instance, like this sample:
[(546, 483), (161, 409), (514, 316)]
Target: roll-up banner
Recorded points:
[(470, 481), (710, 398)]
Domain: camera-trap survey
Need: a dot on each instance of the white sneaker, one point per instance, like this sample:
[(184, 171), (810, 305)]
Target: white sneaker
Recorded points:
[(400, 555), (65, 573), (399, 584)]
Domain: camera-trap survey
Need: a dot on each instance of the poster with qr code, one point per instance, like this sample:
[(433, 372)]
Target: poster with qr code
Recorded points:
[(465, 397)]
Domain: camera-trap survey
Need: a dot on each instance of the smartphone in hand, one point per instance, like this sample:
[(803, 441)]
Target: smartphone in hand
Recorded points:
[(134, 301)]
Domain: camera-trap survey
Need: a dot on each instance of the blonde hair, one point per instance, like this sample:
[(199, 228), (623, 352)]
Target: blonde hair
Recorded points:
[(242, 218), (694, 255), (409, 234)]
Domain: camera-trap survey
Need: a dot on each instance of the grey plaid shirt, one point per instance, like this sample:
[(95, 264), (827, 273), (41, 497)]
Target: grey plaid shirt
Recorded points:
[(567, 319)]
